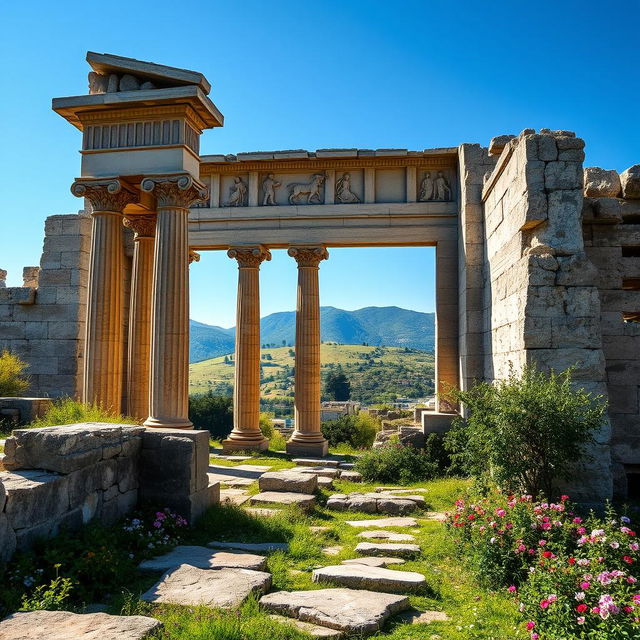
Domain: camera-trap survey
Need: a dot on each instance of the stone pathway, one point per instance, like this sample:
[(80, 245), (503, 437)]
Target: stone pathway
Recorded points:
[(243, 473), (289, 482), (388, 549), (347, 610), (374, 561), (384, 522), (64, 625), (360, 576), (262, 513), (312, 629), (303, 500), (225, 588), (203, 558), (375, 503), (234, 496), (387, 535)]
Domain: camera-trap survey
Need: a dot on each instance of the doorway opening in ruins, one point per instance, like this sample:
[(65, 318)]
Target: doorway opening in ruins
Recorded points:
[(377, 322)]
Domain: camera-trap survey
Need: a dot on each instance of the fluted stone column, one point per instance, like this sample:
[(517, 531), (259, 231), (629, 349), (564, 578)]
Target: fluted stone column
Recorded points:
[(139, 344), (104, 338), (246, 432), (169, 382), (307, 439)]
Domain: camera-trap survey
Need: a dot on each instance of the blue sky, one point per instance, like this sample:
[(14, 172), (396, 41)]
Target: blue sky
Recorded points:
[(286, 74)]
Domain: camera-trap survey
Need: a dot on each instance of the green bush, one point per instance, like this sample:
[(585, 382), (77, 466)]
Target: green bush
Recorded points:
[(358, 431), (528, 431), (396, 464), (12, 381), (214, 413), (266, 424), (68, 411)]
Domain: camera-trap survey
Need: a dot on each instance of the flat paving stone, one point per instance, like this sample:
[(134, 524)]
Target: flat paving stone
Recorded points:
[(225, 588), (326, 472), (384, 522), (303, 500), (374, 561), (349, 610), (220, 456), (234, 496), (262, 513), (400, 491), (245, 471), (351, 476), (412, 616), (418, 499), (348, 466), (332, 551), (255, 547), (203, 558), (388, 549), (288, 481), (316, 462), (392, 536), (373, 502), (312, 629), (64, 625), (325, 483), (360, 576), (230, 481), (435, 515)]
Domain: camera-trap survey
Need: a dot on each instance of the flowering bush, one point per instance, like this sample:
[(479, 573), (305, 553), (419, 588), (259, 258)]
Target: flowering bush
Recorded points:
[(572, 577), (151, 533)]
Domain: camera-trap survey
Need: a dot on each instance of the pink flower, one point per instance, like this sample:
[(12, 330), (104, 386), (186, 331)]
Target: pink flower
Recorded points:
[(542, 542), (553, 597), (585, 585), (534, 636), (580, 619), (501, 513), (544, 604), (632, 580), (512, 589), (530, 625), (577, 520), (636, 598)]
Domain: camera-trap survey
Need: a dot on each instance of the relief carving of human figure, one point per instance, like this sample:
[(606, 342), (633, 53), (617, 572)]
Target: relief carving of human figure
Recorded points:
[(442, 189), (269, 186), (238, 195), (426, 188), (344, 195)]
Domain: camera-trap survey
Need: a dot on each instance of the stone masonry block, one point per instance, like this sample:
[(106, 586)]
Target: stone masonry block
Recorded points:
[(563, 175), (630, 182), (7, 539), (547, 149)]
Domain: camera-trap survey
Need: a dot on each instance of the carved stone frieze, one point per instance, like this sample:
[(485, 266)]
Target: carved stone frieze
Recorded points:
[(109, 194), (308, 256), (344, 194), (269, 186), (434, 189), (249, 257), (142, 226), (238, 193), (175, 191), (309, 190)]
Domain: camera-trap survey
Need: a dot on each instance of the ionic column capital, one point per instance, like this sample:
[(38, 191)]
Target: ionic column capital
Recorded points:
[(110, 194), (307, 256), (194, 256), (143, 226), (249, 257), (178, 191)]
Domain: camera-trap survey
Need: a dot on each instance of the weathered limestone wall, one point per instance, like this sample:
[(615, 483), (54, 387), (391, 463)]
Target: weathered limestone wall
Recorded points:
[(611, 231), (63, 477), (541, 304), (43, 321)]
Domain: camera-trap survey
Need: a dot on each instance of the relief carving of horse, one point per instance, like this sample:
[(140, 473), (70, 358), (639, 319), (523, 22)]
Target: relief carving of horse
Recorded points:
[(311, 190)]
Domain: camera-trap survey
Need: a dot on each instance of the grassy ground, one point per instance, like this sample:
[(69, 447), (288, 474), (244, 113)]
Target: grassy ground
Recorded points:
[(474, 613)]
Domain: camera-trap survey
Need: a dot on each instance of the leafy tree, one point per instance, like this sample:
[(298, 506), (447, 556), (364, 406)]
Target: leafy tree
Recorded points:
[(529, 431), (337, 385), (13, 382), (215, 413)]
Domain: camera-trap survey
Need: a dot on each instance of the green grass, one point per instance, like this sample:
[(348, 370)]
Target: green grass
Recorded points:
[(68, 411)]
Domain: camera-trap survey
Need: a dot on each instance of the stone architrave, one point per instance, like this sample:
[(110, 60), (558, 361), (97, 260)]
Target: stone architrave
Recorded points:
[(103, 358), (307, 439), (169, 386), (139, 345), (246, 432)]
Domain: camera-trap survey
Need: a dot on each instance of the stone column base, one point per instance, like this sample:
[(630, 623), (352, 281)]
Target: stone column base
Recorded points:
[(317, 449), (242, 444), (167, 423)]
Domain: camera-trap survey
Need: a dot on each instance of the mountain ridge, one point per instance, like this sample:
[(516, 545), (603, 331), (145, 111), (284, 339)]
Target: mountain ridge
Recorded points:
[(378, 326)]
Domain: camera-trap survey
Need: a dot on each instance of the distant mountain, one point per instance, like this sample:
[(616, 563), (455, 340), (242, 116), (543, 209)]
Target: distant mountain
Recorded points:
[(378, 326)]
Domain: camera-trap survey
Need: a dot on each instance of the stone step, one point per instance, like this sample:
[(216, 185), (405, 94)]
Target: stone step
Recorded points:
[(312, 629), (316, 462), (230, 481), (203, 558), (303, 500), (384, 522), (374, 561), (262, 513), (288, 481), (388, 549), (225, 588), (255, 547), (351, 476), (392, 536), (348, 610), (360, 576), (325, 483), (400, 492), (347, 466), (233, 496), (371, 503), (327, 472), (64, 625)]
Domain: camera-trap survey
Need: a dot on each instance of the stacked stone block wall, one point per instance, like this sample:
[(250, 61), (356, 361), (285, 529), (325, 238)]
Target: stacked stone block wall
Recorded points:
[(59, 478), (43, 321), (611, 231), (541, 303)]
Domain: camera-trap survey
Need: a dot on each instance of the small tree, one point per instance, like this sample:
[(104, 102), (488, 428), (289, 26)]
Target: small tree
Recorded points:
[(12, 381), (528, 431), (337, 385), (212, 412)]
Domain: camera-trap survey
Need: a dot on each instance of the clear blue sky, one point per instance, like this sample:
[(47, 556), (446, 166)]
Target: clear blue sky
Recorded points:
[(286, 74)]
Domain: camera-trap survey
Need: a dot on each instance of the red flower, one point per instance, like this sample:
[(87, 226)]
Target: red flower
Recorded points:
[(581, 608), (572, 560), (628, 559)]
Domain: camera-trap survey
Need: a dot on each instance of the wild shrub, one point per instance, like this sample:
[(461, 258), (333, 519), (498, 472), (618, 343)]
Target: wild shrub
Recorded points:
[(396, 464), (211, 412), (13, 382), (529, 431), (358, 431), (266, 424), (68, 411)]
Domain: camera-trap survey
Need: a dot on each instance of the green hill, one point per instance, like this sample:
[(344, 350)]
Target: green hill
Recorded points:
[(377, 374), (378, 326)]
